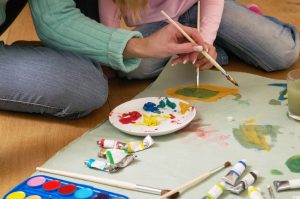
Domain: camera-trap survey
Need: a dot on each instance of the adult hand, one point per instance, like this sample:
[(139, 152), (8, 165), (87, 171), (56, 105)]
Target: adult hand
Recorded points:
[(166, 42), (202, 62)]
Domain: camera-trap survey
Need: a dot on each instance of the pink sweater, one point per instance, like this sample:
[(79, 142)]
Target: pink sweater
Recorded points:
[(210, 14)]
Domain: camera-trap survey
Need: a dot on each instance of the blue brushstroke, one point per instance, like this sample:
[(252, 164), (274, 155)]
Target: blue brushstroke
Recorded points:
[(151, 107), (283, 92)]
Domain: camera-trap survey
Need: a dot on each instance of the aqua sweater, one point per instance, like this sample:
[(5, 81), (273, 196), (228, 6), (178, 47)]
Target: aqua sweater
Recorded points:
[(61, 25)]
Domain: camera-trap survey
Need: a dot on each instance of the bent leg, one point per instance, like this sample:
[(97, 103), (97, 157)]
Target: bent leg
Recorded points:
[(45, 81), (264, 42)]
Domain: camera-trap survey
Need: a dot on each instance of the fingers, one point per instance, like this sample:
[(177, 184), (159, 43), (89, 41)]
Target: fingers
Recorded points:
[(194, 34)]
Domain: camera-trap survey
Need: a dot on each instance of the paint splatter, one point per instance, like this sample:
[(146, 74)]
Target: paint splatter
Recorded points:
[(259, 137), (131, 117), (151, 107), (238, 98), (184, 107), (250, 121), (205, 132), (276, 172), (152, 120), (274, 102), (205, 93), (293, 163), (282, 94)]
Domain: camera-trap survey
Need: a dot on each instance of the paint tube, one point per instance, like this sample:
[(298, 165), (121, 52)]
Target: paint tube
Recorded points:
[(233, 175), (131, 147), (248, 180), (286, 184), (254, 193), (111, 144), (216, 191), (140, 145)]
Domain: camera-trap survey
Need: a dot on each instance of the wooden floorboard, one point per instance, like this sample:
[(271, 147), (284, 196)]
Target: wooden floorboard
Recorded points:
[(30, 140)]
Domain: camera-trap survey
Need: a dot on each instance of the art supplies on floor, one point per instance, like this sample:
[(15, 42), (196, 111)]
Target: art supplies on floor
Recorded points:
[(44, 187)]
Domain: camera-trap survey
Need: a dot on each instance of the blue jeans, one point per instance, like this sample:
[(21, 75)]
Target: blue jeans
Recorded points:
[(45, 81), (261, 41)]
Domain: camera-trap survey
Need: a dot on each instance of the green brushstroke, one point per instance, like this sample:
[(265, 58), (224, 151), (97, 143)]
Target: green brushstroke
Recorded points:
[(201, 93), (274, 102), (276, 172), (293, 163), (238, 98), (255, 136)]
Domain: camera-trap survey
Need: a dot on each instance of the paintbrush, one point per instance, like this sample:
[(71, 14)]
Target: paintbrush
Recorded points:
[(201, 50), (195, 181), (114, 183), (271, 192), (198, 29)]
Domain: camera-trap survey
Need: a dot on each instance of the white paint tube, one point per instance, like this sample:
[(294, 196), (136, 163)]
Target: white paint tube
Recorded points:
[(233, 175), (286, 184), (254, 193), (248, 180), (216, 191)]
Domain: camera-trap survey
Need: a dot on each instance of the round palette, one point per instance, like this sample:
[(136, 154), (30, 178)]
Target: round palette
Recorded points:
[(163, 116)]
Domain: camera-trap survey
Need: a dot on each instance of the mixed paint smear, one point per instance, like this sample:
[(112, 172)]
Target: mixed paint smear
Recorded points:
[(282, 96), (274, 102), (293, 163), (238, 98), (276, 172), (205, 92), (205, 132), (259, 137)]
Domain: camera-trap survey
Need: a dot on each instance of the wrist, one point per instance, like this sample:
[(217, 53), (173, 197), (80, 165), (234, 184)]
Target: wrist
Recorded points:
[(136, 48)]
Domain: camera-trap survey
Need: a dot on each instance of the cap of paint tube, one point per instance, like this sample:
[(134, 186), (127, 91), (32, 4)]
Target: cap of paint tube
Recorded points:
[(254, 193), (216, 191)]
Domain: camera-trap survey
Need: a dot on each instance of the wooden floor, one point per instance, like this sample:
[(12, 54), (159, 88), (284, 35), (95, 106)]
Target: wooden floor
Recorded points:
[(30, 140)]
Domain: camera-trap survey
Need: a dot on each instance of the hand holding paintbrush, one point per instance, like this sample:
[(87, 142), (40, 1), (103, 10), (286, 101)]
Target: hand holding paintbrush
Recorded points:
[(201, 50)]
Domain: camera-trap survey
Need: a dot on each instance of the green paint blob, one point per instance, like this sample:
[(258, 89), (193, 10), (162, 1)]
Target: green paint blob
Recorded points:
[(197, 92), (293, 163), (274, 102), (276, 172), (259, 137), (238, 98)]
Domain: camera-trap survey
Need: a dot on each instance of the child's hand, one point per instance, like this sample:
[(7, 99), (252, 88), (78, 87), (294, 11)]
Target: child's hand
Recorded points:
[(202, 63)]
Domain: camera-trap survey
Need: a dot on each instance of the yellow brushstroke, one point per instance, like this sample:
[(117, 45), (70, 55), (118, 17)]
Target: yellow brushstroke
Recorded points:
[(152, 120), (184, 107), (223, 91), (286, 96), (251, 134), (250, 121)]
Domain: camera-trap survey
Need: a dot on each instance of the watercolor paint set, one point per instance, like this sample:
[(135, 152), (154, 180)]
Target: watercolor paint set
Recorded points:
[(43, 187)]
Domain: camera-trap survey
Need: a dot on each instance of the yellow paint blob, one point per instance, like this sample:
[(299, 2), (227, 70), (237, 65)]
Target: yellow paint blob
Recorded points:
[(16, 195), (286, 96), (251, 134), (184, 107), (204, 93), (152, 120), (250, 121)]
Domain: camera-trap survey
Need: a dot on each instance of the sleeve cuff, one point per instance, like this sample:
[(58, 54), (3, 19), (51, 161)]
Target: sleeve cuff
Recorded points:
[(116, 46)]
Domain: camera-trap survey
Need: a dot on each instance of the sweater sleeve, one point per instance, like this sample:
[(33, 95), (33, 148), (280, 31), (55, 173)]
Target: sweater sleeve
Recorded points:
[(211, 14), (61, 25)]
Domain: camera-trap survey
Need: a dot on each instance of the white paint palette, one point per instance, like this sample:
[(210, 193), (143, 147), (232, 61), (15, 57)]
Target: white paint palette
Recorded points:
[(167, 121)]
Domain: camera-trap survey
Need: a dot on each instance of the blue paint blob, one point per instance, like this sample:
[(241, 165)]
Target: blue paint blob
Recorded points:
[(151, 107), (283, 92), (84, 193)]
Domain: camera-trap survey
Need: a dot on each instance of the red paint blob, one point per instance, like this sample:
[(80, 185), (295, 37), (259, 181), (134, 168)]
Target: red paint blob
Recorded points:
[(67, 189), (127, 118), (51, 185)]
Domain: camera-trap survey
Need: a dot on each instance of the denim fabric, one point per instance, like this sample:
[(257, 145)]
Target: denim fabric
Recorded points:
[(45, 81), (261, 41)]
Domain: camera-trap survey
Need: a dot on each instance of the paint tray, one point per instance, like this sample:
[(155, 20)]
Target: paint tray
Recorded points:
[(41, 186)]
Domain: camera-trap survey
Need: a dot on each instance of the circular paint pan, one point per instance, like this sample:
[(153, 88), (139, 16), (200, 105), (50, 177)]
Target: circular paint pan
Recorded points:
[(67, 189), (34, 197), (36, 181), (16, 195), (51, 185), (101, 196), (84, 193)]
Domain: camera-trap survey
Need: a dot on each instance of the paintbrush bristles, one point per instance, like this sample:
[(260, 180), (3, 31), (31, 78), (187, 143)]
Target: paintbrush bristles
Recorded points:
[(227, 164), (175, 195)]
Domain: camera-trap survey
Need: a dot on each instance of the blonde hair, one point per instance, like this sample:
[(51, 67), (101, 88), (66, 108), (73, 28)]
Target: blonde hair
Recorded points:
[(132, 6)]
